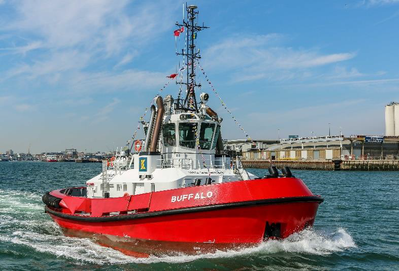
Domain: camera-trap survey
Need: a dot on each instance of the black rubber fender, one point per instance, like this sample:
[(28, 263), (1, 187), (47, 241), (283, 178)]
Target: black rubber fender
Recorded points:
[(51, 201)]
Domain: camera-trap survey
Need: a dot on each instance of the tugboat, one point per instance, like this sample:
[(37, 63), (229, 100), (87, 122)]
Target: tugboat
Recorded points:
[(179, 191)]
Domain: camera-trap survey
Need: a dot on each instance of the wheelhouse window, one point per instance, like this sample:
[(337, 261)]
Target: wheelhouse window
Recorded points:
[(206, 135), (169, 135), (187, 134), (215, 140)]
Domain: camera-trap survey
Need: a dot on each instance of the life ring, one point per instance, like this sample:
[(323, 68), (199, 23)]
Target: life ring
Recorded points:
[(138, 145)]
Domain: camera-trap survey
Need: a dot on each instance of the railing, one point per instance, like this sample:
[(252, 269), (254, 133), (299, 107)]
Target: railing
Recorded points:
[(188, 163)]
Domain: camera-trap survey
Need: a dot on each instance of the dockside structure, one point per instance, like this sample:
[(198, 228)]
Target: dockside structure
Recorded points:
[(326, 148)]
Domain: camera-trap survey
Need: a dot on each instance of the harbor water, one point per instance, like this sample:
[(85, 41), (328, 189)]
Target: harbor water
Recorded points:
[(357, 227)]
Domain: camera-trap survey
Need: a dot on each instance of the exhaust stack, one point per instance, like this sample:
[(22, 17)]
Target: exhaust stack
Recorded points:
[(158, 124)]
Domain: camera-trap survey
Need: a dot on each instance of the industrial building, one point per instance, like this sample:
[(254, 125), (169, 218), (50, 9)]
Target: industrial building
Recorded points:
[(326, 148), (357, 147)]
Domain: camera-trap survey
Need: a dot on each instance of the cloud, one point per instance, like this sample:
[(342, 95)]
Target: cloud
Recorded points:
[(396, 14), (23, 50), (82, 38), (372, 3), (105, 112), (5, 100), (303, 113), (103, 25), (134, 80), (343, 72), (126, 59), (66, 23), (388, 84), (262, 57), (379, 2), (55, 63), (24, 107), (78, 102)]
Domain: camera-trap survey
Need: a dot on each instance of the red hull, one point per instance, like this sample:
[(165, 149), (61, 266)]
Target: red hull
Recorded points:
[(231, 214)]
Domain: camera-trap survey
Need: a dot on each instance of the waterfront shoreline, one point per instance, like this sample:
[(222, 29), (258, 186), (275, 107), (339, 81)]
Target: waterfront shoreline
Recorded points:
[(356, 165)]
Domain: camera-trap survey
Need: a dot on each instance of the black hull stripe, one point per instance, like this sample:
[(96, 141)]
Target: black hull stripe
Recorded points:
[(185, 210)]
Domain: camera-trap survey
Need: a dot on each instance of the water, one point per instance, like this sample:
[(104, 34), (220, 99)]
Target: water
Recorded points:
[(357, 227)]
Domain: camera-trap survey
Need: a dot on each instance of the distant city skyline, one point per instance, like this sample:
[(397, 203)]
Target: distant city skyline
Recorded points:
[(79, 74)]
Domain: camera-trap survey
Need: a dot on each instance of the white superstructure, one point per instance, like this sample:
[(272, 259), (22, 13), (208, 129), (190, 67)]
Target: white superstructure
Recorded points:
[(182, 149)]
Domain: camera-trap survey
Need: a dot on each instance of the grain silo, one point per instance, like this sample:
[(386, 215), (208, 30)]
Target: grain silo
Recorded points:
[(392, 119), (389, 123)]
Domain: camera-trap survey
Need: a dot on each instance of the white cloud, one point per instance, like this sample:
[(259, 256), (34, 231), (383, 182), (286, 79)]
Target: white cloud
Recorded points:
[(372, 3), (126, 59), (103, 24), (24, 107), (260, 57), (379, 2), (5, 100), (23, 50), (343, 72), (312, 118), (78, 102), (65, 23), (105, 112), (56, 62), (78, 36), (110, 81), (380, 84)]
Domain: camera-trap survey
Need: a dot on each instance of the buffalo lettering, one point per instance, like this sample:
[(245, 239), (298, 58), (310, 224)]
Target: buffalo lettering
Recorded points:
[(192, 196)]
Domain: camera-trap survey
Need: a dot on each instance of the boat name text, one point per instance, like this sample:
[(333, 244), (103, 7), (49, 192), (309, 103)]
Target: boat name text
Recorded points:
[(192, 196)]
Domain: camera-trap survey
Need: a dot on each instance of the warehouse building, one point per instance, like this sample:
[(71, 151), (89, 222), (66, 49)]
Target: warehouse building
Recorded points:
[(324, 148), (358, 147)]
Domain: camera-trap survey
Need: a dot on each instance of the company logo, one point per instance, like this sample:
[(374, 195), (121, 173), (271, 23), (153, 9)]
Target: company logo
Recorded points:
[(195, 196), (143, 164)]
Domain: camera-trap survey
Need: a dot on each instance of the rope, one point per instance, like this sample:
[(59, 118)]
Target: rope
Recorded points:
[(224, 104)]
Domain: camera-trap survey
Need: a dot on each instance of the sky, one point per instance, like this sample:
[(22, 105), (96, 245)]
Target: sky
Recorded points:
[(79, 74)]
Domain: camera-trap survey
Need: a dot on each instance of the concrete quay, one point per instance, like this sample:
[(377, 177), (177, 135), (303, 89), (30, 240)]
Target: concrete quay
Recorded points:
[(362, 165)]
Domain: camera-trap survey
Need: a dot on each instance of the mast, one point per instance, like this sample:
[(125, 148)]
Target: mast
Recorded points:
[(190, 24)]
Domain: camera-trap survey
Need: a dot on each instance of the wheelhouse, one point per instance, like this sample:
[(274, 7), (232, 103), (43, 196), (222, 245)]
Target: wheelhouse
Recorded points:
[(190, 134)]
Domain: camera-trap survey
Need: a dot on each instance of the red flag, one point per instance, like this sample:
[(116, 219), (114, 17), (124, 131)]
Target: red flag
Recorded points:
[(173, 75), (176, 32)]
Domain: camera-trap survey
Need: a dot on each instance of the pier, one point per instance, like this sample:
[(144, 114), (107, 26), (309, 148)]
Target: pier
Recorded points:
[(362, 165)]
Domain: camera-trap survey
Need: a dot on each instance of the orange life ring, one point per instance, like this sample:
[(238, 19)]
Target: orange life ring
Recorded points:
[(138, 145)]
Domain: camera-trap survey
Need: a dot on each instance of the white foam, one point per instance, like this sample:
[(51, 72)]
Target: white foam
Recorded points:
[(83, 250), (17, 193), (19, 201), (34, 233)]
